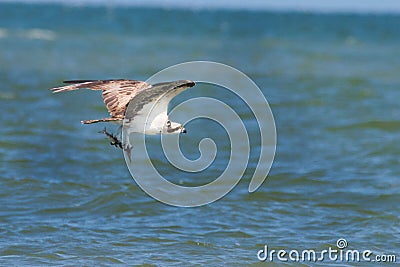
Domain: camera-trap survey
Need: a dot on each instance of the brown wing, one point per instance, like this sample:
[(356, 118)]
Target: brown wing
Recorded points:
[(116, 93)]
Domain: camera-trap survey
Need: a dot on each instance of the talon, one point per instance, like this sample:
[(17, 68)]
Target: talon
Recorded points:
[(113, 139)]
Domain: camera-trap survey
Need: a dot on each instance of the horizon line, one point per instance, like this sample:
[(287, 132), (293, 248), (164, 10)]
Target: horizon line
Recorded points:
[(304, 7)]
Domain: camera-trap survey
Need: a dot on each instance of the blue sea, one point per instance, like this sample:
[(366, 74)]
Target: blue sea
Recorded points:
[(333, 84)]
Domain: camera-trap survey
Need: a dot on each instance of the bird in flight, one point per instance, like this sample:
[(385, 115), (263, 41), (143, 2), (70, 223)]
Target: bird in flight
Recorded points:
[(148, 105)]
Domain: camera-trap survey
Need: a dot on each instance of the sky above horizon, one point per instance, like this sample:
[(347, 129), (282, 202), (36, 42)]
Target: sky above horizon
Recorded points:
[(369, 6)]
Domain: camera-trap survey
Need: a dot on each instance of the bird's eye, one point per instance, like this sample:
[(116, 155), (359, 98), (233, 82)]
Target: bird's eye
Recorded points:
[(168, 123)]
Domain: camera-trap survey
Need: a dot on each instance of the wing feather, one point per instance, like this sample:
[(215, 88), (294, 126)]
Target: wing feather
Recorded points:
[(116, 93), (157, 98)]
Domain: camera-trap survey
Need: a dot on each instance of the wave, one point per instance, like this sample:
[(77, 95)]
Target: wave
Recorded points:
[(34, 34), (389, 126), (3, 33), (40, 34)]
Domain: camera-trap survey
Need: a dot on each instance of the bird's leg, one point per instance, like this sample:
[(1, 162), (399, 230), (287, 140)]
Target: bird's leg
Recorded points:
[(128, 150), (126, 145), (119, 132)]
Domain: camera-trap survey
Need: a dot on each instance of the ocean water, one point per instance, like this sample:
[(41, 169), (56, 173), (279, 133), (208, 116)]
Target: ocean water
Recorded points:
[(332, 81)]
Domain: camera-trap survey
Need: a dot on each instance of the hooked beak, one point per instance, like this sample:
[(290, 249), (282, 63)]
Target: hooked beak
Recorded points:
[(183, 130)]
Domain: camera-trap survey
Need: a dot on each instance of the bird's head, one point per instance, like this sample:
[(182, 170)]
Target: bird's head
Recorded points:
[(174, 127)]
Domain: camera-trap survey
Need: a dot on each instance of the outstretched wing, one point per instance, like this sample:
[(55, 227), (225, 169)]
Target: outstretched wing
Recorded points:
[(155, 100), (116, 93)]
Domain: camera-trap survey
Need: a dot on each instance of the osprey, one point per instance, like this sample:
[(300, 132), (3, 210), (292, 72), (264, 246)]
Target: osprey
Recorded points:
[(148, 105)]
